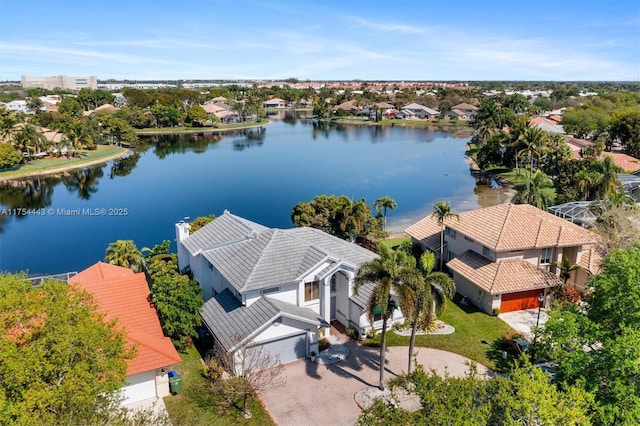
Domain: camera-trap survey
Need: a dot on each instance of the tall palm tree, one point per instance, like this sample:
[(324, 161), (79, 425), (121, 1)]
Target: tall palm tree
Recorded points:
[(387, 272), (430, 294), (537, 190), (533, 139), (608, 177), (382, 204), (442, 212), (125, 253)]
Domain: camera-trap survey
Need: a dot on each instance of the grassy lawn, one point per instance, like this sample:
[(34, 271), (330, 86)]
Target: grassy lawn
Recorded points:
[(188, 130), (395, 242), (45, 165), (192, 406), (477, 335)]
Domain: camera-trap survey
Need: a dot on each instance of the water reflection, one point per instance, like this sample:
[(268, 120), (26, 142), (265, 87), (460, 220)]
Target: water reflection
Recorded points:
[(83, 181), (124, 166), (18, 196), (164, 145), (250, 138)]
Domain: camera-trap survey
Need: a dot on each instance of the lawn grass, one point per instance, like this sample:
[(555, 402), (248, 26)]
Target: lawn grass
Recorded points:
[(395, 242), (191, 130), (192, 406), (477, 335), (50, 165)]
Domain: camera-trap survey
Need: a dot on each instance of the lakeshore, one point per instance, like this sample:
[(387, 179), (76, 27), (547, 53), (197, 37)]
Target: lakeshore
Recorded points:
[(51, 166)]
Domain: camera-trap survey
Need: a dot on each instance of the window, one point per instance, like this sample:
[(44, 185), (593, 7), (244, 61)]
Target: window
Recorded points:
[(468, 239), (270, 290), (311, 291), (333, 283), (450, 232), (486, 252), (546, 255), (377, 314)]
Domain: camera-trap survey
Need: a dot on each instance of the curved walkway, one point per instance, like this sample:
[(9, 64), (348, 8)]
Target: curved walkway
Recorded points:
[(318, 394)]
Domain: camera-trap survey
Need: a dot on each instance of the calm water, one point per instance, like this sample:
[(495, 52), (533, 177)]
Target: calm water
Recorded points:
[(259, 175)]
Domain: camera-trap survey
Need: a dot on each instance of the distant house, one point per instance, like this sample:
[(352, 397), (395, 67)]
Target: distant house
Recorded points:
[(417, 111), (466, 109), (102, 108), (273, 289), (275, 103), (123, 295), (503, 257), (581, 148), (456, 114), (350, 107), (224, 112)]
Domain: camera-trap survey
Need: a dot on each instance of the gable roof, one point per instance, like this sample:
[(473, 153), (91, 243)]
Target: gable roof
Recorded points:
[(124, 296), (233, 323), (416, 106), (505, 276), (509, 227), (253, 257), (465, 107)]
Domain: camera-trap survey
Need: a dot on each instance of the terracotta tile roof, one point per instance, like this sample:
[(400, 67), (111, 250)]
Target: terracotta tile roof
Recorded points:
[(101, 271), (427, 231), (508, 227), (626, 162), (505, 276), (124, 295)]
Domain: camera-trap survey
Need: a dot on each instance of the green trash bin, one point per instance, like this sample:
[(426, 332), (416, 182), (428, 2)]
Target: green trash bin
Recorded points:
[(175, 384)]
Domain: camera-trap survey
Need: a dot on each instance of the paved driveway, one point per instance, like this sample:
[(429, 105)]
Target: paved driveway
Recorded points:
[(315, 394), (523, 321)]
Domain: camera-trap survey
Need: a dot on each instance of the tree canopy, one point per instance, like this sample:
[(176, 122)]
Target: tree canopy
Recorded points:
[(337, 215), (597, 344), (61, 363)]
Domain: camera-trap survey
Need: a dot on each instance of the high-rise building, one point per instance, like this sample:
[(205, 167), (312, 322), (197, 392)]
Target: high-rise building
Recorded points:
[(60, 82)]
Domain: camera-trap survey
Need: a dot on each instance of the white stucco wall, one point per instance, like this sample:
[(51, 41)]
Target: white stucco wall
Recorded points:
[(480, 298), (139, 386)]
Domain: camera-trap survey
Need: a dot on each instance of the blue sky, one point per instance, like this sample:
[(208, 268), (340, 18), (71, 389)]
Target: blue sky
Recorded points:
[(336, 40)]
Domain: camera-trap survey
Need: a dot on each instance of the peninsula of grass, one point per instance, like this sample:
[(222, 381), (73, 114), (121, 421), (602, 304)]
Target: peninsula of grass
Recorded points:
[(477, 335), (52, 165), (182, 130), (198, 405)]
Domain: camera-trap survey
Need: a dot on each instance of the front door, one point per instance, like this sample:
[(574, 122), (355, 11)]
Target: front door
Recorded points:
[(332, 307)]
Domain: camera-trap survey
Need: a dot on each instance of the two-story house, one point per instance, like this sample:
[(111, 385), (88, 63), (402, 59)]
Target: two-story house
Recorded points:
[(274, 289), (503, 257)]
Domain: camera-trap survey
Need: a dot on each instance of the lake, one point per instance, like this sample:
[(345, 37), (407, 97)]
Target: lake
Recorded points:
[(259, 174)]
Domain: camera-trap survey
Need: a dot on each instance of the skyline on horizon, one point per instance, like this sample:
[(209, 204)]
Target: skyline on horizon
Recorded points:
[(415, 41)]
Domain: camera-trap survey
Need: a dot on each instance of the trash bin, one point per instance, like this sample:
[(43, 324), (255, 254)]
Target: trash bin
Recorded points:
[(175, 383)]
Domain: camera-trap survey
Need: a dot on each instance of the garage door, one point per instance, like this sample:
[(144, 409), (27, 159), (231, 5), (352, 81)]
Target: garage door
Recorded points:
[(519, 301), (285, 350), (140, 386)]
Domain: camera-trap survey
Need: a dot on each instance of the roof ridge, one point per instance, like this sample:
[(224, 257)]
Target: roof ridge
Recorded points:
[(503, 227), (266, 246), (495, 276), (152, 342)]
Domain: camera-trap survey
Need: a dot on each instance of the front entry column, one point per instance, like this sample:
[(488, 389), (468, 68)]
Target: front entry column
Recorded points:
[(325, 302)]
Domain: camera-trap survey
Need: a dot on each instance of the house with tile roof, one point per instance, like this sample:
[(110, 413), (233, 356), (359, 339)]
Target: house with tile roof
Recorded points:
[(417, 111), (124, 296), (275, 103), (467, 109), (503, 257), (274, 289)]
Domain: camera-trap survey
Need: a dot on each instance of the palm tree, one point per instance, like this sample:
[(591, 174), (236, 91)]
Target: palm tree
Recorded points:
[(354, 218), (125, 253), (387, 272), (608, 177), (442, 212), (537, 190), (430, 294), (382, 204), (566, 268), (533, 140)]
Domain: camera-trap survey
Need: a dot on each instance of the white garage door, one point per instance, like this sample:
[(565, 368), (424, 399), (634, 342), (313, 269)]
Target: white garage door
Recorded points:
[(285, 350), (141, 386)]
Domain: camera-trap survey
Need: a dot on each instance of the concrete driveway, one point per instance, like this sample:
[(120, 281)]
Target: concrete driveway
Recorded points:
[(315, 394), (523, 321)]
